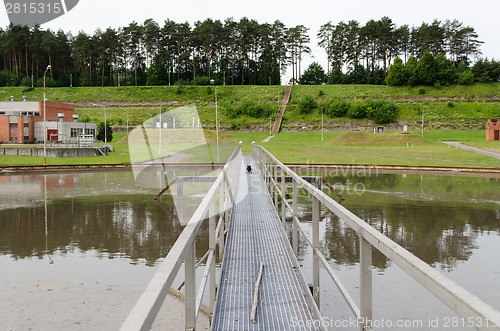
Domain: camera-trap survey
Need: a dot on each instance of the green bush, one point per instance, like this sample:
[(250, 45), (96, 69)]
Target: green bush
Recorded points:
[(307, 104), (381, 111), (357, 110), (335, 107), (101, 135), (466, 78), (201, 80), (251, 108)]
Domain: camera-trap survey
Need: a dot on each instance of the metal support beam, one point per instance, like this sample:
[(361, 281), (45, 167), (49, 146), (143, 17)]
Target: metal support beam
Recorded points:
[(283, 198), (190, 295), (276, 187), (315, 242), (365, 268), (212, 237), (222, 227), (295, 231)]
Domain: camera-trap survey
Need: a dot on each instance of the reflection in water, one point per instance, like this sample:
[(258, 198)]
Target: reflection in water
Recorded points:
[(438, 218), (99, 212)]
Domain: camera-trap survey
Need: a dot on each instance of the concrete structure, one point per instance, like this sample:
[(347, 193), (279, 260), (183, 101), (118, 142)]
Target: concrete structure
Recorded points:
[(493, 129), (22, 122)]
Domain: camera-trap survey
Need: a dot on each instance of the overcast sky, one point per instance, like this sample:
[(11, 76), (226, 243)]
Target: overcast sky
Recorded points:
[(482, 15)]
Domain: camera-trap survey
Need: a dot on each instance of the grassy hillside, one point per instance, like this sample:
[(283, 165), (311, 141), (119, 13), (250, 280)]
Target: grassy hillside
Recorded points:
[(476, 102)]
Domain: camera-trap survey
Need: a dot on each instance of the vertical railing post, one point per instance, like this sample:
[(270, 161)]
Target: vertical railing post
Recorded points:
[(283, 198), (220, 218), (271, 177), (190, 286), (212, 236), (315, 242), (295, 229), (276, 187), (365, 268), (227, 190)]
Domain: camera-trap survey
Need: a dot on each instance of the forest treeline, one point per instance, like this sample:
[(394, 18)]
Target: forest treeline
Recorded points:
[(242, 52)]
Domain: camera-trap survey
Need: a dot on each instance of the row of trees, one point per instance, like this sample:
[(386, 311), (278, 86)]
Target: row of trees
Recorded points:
[(377, 43), (233, 52), (243, 52)]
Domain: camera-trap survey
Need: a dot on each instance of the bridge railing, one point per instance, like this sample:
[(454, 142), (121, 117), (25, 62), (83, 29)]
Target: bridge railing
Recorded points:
[(216, 205), (475, 312)]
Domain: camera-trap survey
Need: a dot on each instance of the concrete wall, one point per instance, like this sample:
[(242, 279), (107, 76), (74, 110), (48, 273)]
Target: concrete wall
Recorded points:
[(51, 152)]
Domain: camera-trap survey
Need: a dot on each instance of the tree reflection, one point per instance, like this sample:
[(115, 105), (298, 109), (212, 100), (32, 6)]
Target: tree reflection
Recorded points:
[(436, 218), (130, 226)]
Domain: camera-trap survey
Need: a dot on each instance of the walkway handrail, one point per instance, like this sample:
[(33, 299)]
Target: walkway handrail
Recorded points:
[(146, 308), (476, 312)]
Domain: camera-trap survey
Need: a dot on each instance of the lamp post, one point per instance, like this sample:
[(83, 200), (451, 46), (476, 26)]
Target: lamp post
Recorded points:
[(105, 126), (322, 124), (159, 134), (270, 132), (127, 118), (45, 119), (216, 120), (423, 121)]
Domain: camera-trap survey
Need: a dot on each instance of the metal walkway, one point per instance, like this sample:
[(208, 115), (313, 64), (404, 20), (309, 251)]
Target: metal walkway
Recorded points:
[(256, 235)]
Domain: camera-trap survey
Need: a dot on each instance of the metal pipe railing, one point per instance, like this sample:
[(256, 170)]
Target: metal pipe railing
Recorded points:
[(146, 309), (476, 312)]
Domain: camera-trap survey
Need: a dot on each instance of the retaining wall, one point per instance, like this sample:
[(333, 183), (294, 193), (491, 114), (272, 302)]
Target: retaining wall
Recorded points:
[(51, 152)]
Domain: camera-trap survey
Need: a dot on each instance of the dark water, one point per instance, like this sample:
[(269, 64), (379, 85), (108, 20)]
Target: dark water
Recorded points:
[(104, 226), (99, 226), (450, 222)]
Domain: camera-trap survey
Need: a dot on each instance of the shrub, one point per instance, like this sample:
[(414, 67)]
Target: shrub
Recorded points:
[(109, 132), (201, 80), (421, 91), (466, 78), (357, 110), (307, 104), (251, 108), (335, 107), (381, 111)]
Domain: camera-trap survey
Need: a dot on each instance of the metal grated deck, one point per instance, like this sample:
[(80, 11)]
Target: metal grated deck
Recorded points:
[(255, 235)]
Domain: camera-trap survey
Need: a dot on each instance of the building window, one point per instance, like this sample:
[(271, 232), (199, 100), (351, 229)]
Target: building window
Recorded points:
[(90, 132), (75, 132)]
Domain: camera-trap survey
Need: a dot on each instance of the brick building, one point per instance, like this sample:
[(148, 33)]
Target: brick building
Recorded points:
[(22, 122), (493, 129)]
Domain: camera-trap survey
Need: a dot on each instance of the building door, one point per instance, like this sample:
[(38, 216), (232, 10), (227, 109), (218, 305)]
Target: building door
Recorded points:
[(52, 135), (13, 132), (496, 135)]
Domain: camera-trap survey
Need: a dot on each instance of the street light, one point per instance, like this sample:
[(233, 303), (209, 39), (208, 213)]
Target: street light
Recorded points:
[(127, 118), (45, 119), (216, 120), (105, 126), (322, 124)]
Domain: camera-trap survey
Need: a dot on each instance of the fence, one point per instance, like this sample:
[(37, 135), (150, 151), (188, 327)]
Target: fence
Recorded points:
[(475, 312), (222, 191)]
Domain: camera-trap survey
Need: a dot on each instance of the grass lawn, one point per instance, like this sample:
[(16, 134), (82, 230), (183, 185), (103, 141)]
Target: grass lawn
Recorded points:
[(307, 147), (337, 148), (471, 137)]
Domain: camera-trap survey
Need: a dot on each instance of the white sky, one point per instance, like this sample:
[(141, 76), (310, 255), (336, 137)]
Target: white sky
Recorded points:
[(482, 15)]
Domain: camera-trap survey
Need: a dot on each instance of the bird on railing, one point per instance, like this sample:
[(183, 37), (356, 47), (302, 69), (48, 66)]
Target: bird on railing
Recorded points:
[(249, 169)]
